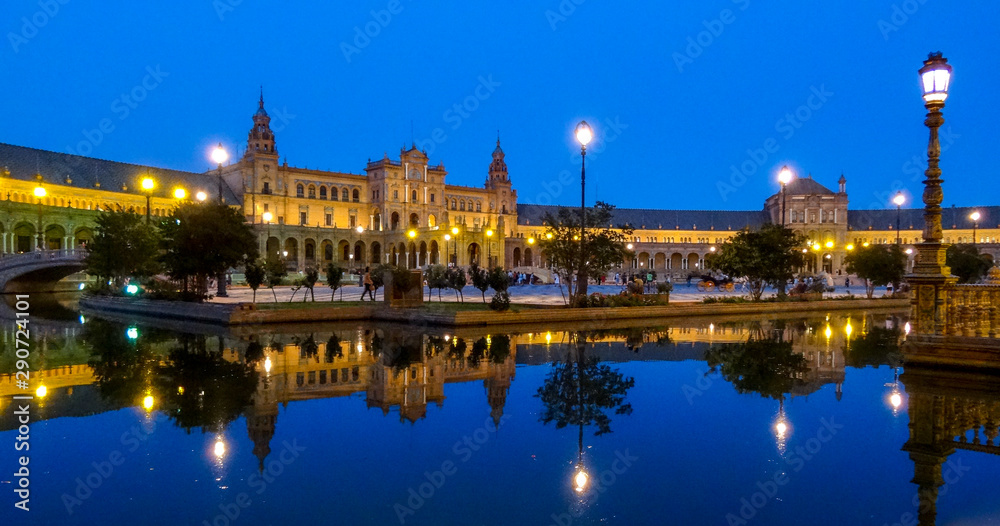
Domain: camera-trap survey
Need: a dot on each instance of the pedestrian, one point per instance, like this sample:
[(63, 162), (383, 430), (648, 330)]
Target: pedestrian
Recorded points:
[(369, 285), (847, 282)]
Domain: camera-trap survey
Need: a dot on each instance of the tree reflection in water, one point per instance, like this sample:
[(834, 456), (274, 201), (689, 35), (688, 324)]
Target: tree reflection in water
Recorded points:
[(874, 347), (764, 364), (582, 392)]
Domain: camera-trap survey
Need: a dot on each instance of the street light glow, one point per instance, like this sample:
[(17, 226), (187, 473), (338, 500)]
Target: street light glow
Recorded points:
[(489, 233), (219, 154), (147, 183), (975, 216), (412, 234), (935, 78), (267, 217), (785, 175), (180, 193), (201, 196), (40, 191), (360, 230), (147, 402), (899, 199), (584, 134), (581, 479), (454, 230), (531, 241), (447, 237)]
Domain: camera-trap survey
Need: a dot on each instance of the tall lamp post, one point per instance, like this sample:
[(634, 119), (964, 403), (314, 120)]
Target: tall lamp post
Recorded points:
[(454, 235), (784, 177), (489, 249), (583, 135), (898, 201), (360, 230), (447, 246), (219, 155), (930, 274), (147, 184), (267, 216), (40, 193), (975, 224)]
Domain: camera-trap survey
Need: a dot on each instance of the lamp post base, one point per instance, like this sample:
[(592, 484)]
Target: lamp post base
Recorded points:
[(929, 282)]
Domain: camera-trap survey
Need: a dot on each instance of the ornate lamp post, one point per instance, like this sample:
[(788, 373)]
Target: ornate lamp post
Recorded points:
[(975, 224), (219, 155), (784, 177), (489, 248), (447, 246), (454, 235), (898, 201), (147, 184), (583, 135), (930, 273), (40, 194)]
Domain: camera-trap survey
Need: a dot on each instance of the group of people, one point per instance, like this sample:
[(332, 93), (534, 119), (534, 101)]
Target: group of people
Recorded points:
[(520, 278)]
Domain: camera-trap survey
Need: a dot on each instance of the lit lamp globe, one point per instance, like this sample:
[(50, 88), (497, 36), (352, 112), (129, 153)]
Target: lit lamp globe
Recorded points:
[(785, 175), (584, 134), (581, 480), (220, 448), (489, 233), (267, 216), (40, 192), (180, 193), (201, 196), (219, 154), (147, 402), (454, 230), (899, 199), (360, 230), (147, 183), (935, 79), (975, 216)]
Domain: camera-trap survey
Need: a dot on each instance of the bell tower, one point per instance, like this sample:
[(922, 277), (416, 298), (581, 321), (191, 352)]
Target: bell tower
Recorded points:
[(498, 169), (260, 140)]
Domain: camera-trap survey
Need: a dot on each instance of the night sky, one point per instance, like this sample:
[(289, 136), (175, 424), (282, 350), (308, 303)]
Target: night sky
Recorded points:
[(681, 93)]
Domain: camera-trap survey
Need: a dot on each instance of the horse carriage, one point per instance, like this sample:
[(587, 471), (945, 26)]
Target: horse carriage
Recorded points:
[(709, 283)]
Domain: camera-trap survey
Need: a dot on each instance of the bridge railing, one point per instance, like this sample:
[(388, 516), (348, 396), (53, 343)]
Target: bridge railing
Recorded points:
[(63, 254), (973, 310)]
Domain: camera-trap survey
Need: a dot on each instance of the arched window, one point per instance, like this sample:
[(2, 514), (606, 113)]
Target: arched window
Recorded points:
[(454, 204), (345, 195), (322, 192), (334, 194), (357, 195), (479, 206), (413, 196), (461, 205), (312, 192), (300, 191)]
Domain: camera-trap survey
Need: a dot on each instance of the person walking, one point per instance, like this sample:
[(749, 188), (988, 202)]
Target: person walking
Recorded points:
[(369, 285)]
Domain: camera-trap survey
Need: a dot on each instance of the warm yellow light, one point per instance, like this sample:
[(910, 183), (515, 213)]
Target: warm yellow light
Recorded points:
[(147, 402), (147, 183), (581, 479), (828, 332), (829, 244), (548, 236), (548, 337), (40, 191), (447, 237), (219, 154), (531, 241), (974, 216), (849, 247), (805, 251), (711, 249), (201, 196), (41, 391), (785, 175), (360, 230), (630, 246), (180, 389), (267, 216), (489, 233), (583, 133), (412, 234), (180, 193), (906, 328), (220, 448), (899, 199), (576, 238), (908, 251), (454, 230), (816, 246), (267, 364), (865, 244), (781, 428), (848, 329), (896, 400)]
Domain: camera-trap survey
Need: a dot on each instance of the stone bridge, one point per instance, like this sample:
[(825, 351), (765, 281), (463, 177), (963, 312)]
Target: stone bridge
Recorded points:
[(38, 271)]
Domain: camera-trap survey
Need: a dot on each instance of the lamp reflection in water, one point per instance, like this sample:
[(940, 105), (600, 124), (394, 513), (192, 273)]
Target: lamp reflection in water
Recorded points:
[(267, 365), (895, 397), (782, 428), (220, 448)]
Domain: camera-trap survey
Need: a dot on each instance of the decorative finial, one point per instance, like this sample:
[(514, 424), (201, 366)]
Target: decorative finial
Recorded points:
[(262, 96)]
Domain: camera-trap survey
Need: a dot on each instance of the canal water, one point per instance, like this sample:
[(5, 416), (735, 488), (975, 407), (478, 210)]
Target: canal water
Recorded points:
[(702, 421)]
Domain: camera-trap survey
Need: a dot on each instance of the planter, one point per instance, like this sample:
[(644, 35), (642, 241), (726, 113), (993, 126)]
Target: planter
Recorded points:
[(410, 297)]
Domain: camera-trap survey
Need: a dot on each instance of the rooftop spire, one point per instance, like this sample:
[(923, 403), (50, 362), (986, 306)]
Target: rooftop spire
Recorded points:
[(262, 96)]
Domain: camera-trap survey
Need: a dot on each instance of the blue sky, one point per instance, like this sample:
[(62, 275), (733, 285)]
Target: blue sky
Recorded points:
[(681, 94)]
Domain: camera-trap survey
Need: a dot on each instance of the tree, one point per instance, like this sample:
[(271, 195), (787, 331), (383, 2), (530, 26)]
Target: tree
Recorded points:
[(123, 246), (498, 280), (604, 246), (378, 276), (309, 281), (334, 273), (457, 280), (275, 271), (255, 273), (437, 278), (205, 239), (967, 263), (878, 265), (480, 279), (764, 257)]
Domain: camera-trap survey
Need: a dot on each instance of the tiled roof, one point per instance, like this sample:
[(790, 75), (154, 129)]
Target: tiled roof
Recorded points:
[(913, 218), (85, 172), (806, 186), (657, 219)]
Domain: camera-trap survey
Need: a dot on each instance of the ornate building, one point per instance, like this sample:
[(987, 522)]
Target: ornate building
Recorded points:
[(403, 211)]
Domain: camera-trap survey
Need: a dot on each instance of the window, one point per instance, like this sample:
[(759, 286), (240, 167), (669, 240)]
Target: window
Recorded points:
[(329, 219), (432, 198), (357, 195), (454, 204), (413, 196), (354, 221), (322, 192), (344, 195), (303, 218), (395, 194), (300, 191), (333, 194), (461, 205), (312, 192), (265, 207), (479, 206)]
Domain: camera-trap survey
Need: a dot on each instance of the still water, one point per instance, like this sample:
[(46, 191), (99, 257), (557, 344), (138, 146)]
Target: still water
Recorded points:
[(794, 420)]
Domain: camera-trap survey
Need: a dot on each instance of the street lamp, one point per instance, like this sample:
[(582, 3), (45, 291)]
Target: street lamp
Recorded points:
[(784, 177), (201, 196), (489, 248), (898, 200), (935, 80), (40, 193), (266, 216), (219, 155), (447, 247), (454, 235), (180, 194), (583, 135), (147, 185), (975, 224)]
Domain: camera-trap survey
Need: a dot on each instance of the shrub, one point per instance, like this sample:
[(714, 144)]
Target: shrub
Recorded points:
[(500, 301)]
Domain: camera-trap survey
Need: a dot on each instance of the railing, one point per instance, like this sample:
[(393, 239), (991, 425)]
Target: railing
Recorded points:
[(973, 310), (16, 260)]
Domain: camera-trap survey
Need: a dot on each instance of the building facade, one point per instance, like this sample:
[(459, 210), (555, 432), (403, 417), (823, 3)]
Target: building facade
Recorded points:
[(403, 211)]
